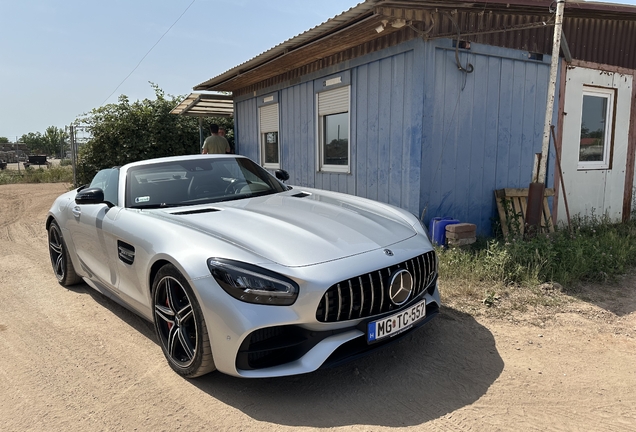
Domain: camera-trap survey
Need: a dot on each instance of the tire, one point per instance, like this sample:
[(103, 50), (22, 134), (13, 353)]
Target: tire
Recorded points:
[(60, 259), (179, 324)]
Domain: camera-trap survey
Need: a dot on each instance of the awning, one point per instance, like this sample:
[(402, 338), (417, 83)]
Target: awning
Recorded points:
[(205, 105)]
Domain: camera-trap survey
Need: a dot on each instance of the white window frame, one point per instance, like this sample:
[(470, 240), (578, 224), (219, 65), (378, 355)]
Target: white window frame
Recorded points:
[(609, 94), (267, 127), (321, 112)]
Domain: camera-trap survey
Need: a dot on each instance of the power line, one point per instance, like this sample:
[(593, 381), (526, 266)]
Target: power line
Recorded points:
[(142, 59)]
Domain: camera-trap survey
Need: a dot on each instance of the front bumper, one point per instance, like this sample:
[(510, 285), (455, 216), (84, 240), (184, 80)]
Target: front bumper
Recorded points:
[(292, 350), (251, 340)]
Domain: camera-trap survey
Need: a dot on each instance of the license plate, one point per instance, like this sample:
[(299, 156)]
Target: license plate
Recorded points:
[(396, 323)]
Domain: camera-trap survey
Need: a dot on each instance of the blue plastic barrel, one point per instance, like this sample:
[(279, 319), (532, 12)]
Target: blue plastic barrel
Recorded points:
[(437, 228)]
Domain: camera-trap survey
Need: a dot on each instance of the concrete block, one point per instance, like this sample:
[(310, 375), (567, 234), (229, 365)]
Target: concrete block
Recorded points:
[(461, 227), (461, 242), (460, 235)]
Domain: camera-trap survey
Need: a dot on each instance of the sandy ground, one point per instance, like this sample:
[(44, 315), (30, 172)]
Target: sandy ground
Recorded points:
[(73, 360)]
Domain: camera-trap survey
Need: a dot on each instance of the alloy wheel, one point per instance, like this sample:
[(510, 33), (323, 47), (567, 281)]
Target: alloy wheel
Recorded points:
[(175, 320), (56, 251)]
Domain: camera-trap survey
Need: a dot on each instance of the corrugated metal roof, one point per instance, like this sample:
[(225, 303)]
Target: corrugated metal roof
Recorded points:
[(596, 32), (345, 19), (205, 105), (602, 41)]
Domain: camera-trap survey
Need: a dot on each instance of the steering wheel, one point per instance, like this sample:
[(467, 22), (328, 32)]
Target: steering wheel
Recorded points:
[(235, 186)]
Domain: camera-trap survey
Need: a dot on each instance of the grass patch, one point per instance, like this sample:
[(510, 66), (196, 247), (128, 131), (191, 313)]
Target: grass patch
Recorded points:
[(515, 274), (56, 174)]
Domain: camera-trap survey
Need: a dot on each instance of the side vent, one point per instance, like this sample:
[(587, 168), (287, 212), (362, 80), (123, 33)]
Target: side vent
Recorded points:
[(191, 212), (125, 252), (301, 195)]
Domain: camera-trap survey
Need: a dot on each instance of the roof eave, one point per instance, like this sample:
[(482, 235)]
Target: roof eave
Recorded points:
[(362, 11), (326, 29)]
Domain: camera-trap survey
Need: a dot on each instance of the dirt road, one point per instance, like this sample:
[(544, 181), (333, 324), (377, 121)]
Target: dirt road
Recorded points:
[(73, 360)]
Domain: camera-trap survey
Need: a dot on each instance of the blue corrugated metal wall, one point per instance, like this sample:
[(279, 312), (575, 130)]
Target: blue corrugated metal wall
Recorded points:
[(423, 134), (481, 130), (387, 164), (385, 131), (246, 128), (381, 122)]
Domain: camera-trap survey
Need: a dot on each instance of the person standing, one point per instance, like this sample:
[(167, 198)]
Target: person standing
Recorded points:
[(215, 144)]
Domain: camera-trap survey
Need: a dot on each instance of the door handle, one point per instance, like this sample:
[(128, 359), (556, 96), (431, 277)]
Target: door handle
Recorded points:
[(77, 212)]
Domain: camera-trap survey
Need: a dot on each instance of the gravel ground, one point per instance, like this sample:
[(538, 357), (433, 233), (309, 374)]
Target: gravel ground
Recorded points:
[(76, 361)]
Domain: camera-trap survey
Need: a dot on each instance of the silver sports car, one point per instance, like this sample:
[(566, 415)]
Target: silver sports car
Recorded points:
[(240, 272)]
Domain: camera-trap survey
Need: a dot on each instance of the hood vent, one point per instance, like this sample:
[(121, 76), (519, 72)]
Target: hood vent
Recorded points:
[(191, 212), (301, 195)]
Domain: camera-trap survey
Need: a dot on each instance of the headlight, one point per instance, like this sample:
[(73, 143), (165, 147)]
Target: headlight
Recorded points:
[(253, 284)]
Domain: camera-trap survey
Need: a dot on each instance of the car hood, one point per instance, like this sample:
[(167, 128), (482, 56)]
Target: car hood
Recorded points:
[(299, 229)]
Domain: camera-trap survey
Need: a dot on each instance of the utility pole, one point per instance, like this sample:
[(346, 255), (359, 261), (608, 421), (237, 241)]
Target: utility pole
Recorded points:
[(15, 148), (554, 68), (72, 135), (537, 187)]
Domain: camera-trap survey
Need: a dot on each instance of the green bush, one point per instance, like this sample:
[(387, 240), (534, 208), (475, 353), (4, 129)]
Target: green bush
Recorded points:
[(595, 250), (128, 131)]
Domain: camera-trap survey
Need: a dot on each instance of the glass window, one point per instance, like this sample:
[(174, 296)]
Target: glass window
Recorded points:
[(197, 181), (333, 130), (268, 126), (336, 143), (270, 140), (108, 181), (596, 128)]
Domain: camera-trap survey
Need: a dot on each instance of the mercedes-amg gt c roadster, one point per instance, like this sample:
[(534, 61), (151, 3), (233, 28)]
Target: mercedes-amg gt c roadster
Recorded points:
[(240, 272)]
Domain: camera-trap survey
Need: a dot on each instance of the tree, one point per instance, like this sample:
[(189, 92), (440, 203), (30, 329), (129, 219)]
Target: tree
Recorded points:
[(4, 140), (53, 142), (34, 141), (127, 131)]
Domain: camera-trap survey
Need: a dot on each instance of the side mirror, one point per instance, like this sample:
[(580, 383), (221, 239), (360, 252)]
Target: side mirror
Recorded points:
[(282, 175), (90, 196)]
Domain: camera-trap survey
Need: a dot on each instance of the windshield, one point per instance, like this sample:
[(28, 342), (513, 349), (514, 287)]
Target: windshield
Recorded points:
[(197, 181)]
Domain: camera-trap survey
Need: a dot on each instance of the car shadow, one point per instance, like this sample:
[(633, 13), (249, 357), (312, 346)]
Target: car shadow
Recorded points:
[(445, 365), (448, 364)]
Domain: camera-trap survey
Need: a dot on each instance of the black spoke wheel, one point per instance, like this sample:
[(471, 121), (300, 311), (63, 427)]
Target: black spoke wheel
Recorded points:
[(60, 260), (180, 325)]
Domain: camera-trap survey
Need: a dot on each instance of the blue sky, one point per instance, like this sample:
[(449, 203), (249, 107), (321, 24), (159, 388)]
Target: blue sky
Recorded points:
[(62, 58)]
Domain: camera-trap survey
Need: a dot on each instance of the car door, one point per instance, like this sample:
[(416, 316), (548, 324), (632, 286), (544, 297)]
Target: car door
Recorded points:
[(91, 231)]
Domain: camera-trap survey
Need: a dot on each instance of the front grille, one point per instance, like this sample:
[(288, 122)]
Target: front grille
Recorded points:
[(367, 295)]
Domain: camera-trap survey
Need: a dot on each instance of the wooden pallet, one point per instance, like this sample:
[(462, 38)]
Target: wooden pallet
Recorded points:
[(512, 205)]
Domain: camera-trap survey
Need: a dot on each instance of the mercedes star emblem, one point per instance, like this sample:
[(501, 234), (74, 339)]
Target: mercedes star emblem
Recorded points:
[(400, 287)]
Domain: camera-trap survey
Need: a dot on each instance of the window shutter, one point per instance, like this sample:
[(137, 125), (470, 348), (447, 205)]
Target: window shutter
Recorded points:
[(333, 101), (269, 118)]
